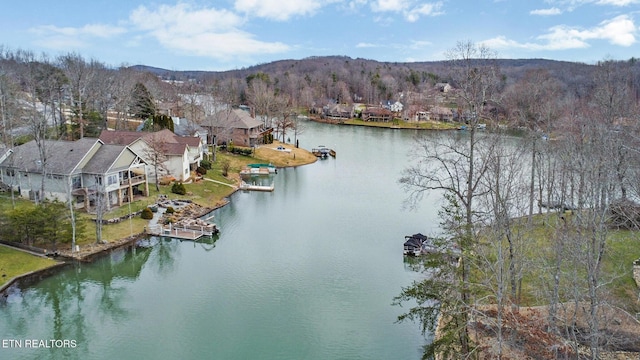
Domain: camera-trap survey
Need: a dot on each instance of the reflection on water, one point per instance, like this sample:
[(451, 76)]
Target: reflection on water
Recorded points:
[(308, 271)]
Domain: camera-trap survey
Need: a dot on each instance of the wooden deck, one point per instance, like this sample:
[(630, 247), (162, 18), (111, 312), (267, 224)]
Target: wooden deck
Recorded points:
[(180, 232), (254, 187)]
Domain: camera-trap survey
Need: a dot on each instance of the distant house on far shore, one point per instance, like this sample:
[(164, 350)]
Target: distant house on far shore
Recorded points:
[(377, 114), (396, 107), (443, 87), (338, 112), (440, 113)]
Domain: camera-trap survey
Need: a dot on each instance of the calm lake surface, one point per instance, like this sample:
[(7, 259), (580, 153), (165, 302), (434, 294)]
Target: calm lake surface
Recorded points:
[(306, 272)]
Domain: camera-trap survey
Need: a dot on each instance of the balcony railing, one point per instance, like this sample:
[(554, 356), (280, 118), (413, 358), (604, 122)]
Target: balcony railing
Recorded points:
[(134, 180)]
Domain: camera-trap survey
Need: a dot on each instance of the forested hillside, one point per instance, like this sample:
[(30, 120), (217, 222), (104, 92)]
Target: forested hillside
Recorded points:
[(509, 242), (79, 97)]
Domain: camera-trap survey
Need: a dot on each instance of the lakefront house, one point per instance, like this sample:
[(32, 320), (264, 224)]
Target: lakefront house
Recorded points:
[(87, 171), (180, 154)]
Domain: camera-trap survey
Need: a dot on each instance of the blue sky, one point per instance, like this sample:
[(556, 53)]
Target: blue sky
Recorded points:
[(232, 34)]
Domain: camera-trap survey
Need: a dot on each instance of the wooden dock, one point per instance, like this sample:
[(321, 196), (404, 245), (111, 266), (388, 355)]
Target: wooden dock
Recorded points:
[(178, 232), (254, 187)]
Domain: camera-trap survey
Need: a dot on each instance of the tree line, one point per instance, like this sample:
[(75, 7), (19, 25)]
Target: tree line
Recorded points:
[(580, 130), (579, 155), (71, 97)]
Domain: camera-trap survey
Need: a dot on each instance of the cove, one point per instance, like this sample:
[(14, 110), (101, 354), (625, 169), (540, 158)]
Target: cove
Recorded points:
[(308, 271)]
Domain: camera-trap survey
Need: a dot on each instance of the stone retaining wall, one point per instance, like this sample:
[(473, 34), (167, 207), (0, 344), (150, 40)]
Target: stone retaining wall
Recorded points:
[(120, 219), (30, 278)]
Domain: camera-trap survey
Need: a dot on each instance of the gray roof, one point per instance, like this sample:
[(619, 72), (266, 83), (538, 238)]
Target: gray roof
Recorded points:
[(236, 118), (63, 157), (104, 159), (186, 127)]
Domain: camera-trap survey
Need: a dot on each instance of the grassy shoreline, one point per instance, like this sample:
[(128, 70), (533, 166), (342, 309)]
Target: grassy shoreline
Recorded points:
[(15, 263), (209, 193)]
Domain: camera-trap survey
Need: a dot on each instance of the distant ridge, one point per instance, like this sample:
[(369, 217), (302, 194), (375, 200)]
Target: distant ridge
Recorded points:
[(337, 61)]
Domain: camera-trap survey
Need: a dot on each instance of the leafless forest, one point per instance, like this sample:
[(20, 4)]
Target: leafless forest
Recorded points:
[(580, 157)]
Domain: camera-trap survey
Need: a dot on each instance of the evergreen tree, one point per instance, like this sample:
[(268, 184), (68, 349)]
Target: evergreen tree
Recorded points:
[(142, 106), (158, 122)]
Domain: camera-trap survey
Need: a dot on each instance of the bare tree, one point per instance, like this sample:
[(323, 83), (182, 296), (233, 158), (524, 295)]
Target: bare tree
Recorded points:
[(8, 106), (155, 152), (613, 101), (534, 104), (284, 114), (220, 124), (458, 165), (80, 75), (102, 97), (123, 82), (263, 100), (37, 120)]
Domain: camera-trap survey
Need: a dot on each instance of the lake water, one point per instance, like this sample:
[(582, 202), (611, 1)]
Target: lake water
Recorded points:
[(306, 272)]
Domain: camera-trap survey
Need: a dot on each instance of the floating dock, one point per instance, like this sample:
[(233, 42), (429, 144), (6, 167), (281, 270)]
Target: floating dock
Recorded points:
[(183, 232), (254, 187), (323, 152)]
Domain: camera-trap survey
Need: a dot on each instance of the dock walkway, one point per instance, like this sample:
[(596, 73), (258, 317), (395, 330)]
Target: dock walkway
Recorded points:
[(180, 232), (190, 229), (254, 187)]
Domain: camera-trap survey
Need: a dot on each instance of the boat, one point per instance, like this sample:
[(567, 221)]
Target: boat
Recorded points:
[(323, 152), (283, 149), (416, 245)]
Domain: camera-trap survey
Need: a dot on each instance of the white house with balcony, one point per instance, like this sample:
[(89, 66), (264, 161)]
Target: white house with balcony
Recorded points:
[(87, 171)]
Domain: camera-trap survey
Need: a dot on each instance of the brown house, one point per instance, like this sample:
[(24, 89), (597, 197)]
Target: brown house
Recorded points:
[(236, 126), (338, 111), (377, 114)]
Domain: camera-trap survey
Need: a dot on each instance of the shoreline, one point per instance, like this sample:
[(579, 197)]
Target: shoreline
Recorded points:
[(93, 251), (406, 125)]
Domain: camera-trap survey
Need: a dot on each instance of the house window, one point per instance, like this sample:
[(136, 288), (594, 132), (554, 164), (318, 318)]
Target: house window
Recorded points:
[(99, 180), (10, 172), (76, 182), (112, 179)]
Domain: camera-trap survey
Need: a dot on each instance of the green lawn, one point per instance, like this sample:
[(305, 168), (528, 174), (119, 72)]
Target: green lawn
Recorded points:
[(204, 193), (15, 262), (622, 249)]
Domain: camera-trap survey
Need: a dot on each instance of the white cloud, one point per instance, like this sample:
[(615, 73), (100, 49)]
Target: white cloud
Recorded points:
[(278, 9), (354, 5), (410, 9), (91, 30), (65, 38), (390, 5), (572, 4), (501, 42), (366, 45), (429, 9), (419, 44), (201, 31), (619, 31), (546, 12), (617, 2)]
